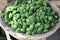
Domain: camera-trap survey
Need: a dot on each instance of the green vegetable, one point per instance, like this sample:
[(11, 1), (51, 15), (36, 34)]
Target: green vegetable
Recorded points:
[(30, 16), (46, 26), (45, 30), (18, 29), (28, 33), (22, 30), (33, 32), (39, 30), (32, 27), (27, 29), (10, 15), (50, 18)]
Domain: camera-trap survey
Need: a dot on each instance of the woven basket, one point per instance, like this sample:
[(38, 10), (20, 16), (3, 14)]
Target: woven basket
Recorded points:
[(21, 36)]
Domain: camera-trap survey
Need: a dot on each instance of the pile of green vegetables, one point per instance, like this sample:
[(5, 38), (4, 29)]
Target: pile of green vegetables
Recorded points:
[(30, 16)]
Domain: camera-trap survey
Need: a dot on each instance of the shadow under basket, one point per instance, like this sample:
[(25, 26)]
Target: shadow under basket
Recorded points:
[(2, 34), (21, 36)]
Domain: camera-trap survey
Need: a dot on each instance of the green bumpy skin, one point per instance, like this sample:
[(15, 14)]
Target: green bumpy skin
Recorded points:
[(30, 16)]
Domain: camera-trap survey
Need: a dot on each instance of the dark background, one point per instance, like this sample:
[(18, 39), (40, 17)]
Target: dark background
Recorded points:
[(55, 36)]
